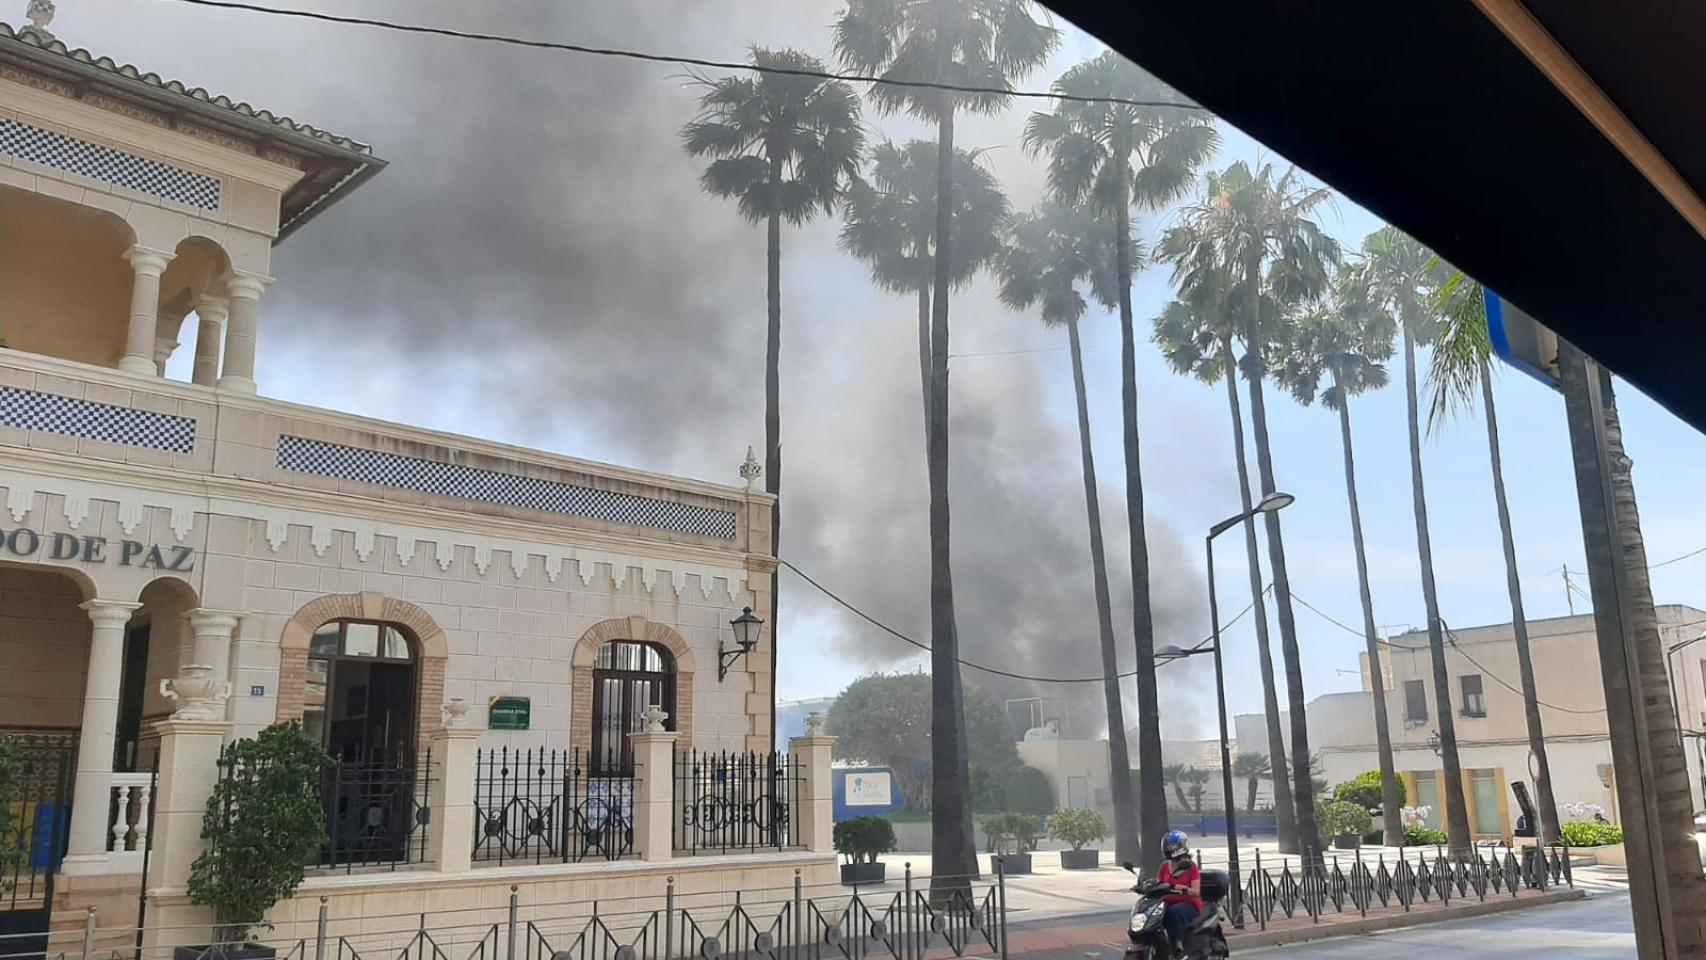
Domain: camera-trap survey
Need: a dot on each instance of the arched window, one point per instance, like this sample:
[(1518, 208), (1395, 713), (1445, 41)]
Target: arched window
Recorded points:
[(360, 691), (627, 677)]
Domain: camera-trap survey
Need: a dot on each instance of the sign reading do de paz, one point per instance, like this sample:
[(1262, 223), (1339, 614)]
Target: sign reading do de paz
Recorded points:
[(24, 542), (509, 713)]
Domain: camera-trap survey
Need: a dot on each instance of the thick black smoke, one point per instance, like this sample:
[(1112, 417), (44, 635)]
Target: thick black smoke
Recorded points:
[(539, 265)]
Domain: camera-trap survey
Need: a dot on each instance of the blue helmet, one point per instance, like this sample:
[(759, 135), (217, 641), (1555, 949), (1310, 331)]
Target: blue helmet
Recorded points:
[(1175, 845)]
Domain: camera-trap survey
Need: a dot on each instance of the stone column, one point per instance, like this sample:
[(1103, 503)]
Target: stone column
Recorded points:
[(189, 769), (654, 791), (212, 630), (210, 315), (451, 797), (148, 265), (92, 793), (817, 797), (245, 291)]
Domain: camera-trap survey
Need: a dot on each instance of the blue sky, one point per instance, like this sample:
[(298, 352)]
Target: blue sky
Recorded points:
[(388, 276)]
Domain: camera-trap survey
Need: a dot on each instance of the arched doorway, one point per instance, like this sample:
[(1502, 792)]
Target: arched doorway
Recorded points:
[(628, 677), (360, 691)]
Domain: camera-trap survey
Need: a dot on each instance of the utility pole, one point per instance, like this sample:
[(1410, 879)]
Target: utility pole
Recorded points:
[(1569, 597)]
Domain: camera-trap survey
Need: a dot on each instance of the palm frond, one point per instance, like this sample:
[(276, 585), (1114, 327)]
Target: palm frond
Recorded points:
[(1462, 348)]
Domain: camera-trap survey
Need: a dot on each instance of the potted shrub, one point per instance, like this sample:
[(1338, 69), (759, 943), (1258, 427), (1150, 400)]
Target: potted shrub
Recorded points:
[(1344, 822), (1078, 828), (263, 822), (861, 840), (1014, 836)]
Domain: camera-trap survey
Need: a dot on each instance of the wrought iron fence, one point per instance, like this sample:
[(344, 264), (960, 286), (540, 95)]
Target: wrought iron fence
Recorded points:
[(729, 802), (1314, 887), (377, 812), (544, 805), (35, 804)]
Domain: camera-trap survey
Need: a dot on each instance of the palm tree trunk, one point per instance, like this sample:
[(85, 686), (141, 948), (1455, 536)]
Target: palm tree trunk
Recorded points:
[(1392, 825), (773, 413), (1119, 761), (1285, 809), (952, 845), (1308, 831), (1543, 797), (1250, 788), (1152, 800), (924, 359), (1456, 813), (1675, 884)]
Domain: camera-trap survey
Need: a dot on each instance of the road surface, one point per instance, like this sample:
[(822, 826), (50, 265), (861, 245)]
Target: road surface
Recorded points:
[(1599, 928)]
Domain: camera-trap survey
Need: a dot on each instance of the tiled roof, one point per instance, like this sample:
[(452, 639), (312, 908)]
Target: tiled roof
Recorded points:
[(32, 38)]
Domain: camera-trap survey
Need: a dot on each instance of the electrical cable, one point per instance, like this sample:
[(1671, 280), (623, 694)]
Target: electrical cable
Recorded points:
[(677, 60), (1666, 563), (873, 621)]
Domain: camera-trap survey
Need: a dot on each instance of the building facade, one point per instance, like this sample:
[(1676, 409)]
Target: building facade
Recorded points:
[(167, 545), (1492, 731)]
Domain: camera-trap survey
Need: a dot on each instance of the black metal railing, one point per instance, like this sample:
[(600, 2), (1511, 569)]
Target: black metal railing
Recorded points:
[(377, 812), (729, 802), (35, 808), (1317, 886), (544, 805)]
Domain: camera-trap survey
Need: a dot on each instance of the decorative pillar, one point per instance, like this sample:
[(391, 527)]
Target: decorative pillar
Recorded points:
[(451, 794), (654, 790), (817, 796), (245, 292), (210, 313), (213, 630), (148, 264), (189, 770), (163, 349), (87, 851)]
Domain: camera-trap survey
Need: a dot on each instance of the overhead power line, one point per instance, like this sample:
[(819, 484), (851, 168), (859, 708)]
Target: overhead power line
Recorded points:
[(1666, 563), (873, 621), (673, 59)]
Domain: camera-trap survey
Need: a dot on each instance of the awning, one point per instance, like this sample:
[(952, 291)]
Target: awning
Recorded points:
[(1434, 118)]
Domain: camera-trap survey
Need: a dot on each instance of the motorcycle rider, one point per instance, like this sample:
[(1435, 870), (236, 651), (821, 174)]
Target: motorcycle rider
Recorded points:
[(1180, 871)]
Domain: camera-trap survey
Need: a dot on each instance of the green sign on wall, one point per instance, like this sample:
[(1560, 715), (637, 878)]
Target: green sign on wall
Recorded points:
[(509, 713)]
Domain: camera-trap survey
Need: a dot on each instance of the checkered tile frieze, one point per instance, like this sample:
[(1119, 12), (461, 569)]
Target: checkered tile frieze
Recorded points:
[(487, 486), (108, 165), (51, 413)]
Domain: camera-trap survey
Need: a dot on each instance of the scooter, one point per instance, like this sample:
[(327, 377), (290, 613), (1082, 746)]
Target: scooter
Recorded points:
[(1204, 941)]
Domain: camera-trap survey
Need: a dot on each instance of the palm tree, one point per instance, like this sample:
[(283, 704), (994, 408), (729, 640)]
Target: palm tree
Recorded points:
[(1611, 528), (1393, 278), (891, 224), (1195, 335), (1197, 779), (1462, 359), (1047, 256), (1348, 350), (970, 43), (1176, 775), (1253, 234), (1111, 156), (783, 146), (1253, 768)]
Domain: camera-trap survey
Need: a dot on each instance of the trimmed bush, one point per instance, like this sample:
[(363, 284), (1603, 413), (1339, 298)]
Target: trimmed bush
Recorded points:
[(1078, 827), (1424, 837), (1015, 830), (1364, 790), (1592, 834), (863, 839), (1339, 818), (265, 822)]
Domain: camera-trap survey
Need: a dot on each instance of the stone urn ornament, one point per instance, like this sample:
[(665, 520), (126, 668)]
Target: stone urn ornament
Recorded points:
[(456, 713), (199, 695), (655, 716), (814, 724)]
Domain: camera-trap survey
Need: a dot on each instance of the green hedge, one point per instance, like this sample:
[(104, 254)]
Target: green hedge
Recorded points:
[(1589, 834), (1424, 837)]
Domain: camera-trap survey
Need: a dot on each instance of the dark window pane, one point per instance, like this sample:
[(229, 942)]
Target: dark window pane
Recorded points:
[(1415, 701), (324, 643)]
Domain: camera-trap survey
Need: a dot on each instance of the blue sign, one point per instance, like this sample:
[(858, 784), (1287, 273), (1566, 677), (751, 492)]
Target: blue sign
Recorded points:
[(864, 792), (1520, 340)]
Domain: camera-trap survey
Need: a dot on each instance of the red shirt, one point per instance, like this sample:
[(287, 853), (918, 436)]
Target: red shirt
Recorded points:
[(1184, 877)]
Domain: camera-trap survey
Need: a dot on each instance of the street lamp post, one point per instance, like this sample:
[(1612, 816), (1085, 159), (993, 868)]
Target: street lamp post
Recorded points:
[(1269, 504)]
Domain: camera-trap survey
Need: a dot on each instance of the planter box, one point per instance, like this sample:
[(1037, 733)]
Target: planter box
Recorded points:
[(1347, 841), (1080, 859), (1608, 856), (851, 873), (226, 951), (1011, 864)]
